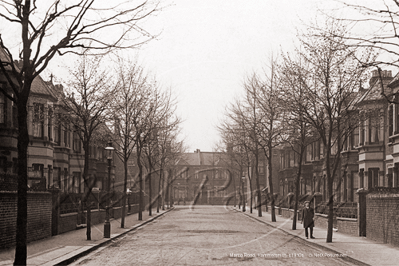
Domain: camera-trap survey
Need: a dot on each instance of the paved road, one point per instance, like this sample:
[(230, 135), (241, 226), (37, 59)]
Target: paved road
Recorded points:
[(209, 235)]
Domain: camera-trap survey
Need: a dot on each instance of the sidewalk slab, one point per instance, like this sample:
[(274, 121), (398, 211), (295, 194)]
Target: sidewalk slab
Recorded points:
[(358, 250), (64, 248)]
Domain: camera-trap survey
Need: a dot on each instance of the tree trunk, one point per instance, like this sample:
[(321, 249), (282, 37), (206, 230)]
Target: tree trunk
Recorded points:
[(330, 204), (159, 190), (140, 184), (297, 182), (170, 189), (243, 191), (258, 192), (124, 192), (149, 194), (273, 211), (251, 193), (163, 191), (234, 185), (87, 186), (88, 218), (23, 142), (22, 205)]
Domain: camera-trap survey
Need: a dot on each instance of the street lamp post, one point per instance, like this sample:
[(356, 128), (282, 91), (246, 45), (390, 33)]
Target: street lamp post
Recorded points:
[(107, 226), (243, 194)]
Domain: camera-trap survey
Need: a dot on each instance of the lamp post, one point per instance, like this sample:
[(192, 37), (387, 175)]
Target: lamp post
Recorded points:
[(243, 194), (109, 150)]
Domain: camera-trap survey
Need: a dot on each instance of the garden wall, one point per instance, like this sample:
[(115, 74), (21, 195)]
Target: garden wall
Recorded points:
[(39, 217)]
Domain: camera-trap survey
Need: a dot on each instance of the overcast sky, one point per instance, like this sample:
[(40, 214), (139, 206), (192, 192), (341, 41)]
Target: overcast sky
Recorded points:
[(208, 47)]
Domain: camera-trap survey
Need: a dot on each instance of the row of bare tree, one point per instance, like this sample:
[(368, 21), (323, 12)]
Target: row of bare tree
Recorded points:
[(128, 108), (305, 96), (51, 28)]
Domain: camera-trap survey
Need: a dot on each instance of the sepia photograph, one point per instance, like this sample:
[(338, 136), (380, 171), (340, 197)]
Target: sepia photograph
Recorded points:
[(213, 132)]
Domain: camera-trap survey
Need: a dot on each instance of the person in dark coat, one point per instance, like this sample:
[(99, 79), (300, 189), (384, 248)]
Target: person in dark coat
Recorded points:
[(307, 219)]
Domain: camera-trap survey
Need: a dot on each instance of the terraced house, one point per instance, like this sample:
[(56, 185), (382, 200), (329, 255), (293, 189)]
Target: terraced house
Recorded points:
[(55, 154), (369, 157), (55, 164)]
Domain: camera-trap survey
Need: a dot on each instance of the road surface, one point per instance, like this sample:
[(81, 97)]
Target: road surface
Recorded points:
[(209, 235)]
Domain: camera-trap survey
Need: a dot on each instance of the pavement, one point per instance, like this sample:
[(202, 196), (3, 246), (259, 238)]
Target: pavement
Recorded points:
[(67, 247), (355, 249)]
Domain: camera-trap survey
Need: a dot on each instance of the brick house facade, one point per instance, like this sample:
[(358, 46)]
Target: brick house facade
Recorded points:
[(55, 153), (369, 158)]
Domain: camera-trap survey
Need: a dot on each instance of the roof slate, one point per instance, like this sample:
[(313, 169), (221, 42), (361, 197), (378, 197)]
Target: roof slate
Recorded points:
[(374, 92), (39, 86), (396, 78), (4, 58)]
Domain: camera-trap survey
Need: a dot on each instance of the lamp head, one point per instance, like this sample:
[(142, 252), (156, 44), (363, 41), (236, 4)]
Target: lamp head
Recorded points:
[(109, 150)]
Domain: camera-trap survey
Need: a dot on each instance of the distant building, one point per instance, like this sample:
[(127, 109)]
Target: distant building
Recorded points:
[(201, 175), (211, 178)]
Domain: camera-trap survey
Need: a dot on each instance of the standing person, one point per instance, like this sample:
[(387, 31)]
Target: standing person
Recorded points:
[(307, 219)]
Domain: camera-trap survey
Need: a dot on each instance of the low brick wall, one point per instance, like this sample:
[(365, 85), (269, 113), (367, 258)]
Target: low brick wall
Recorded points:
[(278, 210), (39, 217), (117, 212), (344, 225), (264, 208), (320, 220), (284, 212), (289, 213), (382, 212), (68, 222), (348, 226)]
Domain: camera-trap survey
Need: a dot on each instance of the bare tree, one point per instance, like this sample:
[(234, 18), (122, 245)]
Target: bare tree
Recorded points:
[(332, 79), (156, 108), (371, 26), (298, 131), (266, 93), (235, 152), (164, 124), (256, 121), (158, 150), (131, 89), (141, 125), (169, 151), (251, 121), (239, 127), (86, 102), (150, 153), (58, 28)]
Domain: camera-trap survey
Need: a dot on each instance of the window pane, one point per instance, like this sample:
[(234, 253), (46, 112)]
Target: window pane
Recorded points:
[(309, 153), (56, 177), (38, 119)]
